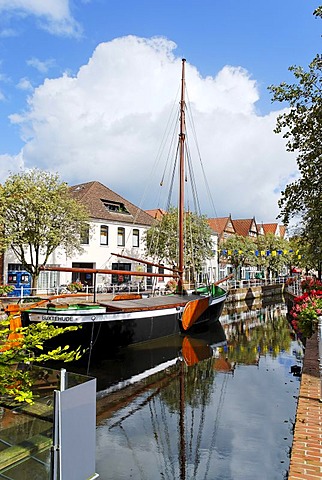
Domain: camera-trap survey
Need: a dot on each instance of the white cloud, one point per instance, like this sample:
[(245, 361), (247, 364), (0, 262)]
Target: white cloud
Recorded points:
[(24, 84), (41, 66), (107, 123), (54, 15)]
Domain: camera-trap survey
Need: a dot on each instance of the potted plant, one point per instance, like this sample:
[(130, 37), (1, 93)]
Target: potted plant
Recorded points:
[(172, 285), (5, 289), (75, 287)]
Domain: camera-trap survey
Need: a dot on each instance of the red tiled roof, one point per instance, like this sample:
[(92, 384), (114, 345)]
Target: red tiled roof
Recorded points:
[(274, 228), (270, 228), (243, 227), (92, 195), (157, 213), (219, 224)]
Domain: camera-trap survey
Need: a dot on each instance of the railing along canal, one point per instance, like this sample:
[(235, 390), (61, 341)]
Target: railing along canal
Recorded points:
[(257, 282)]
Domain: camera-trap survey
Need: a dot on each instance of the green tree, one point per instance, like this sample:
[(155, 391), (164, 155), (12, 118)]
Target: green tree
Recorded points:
[(238, 250), (37, 215), (262, 253), (272, 260), (162, 240), (300, 255), (260, 258), (301, 126), (20, 349)]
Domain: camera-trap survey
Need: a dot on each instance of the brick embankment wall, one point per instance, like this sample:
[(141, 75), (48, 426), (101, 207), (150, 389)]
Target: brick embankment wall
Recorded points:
[(251, 293), (306, 455)]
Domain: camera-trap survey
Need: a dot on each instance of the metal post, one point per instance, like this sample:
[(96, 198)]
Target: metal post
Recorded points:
[(63, 379), (95, 287), (55, 449)]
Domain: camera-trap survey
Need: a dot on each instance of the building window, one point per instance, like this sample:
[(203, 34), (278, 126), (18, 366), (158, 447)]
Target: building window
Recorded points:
[(104, 235), (48, 280), (121, 278), (115, 207), (14, 266), (161, 270), (85, 235), (136, 237), (121, 237)]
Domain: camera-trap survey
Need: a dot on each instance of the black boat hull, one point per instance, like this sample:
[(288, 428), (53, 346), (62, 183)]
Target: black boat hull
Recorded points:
[(100, 338)]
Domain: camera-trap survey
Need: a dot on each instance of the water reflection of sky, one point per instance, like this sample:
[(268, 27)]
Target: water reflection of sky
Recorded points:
[(242, 431)]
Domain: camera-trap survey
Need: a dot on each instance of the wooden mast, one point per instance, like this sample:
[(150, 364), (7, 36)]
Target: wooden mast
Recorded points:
[(181, 179)]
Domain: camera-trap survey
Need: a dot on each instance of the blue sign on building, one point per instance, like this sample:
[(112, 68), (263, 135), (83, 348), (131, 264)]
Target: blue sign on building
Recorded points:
[(21, 280)]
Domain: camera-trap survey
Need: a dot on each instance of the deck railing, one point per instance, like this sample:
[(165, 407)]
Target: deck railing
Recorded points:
[(293, 287)]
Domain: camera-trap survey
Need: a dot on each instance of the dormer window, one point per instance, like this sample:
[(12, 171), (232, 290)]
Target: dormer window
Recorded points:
[(115, 207)]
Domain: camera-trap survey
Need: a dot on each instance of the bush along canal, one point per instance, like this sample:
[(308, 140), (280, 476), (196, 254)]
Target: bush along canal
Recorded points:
[(202, 408)]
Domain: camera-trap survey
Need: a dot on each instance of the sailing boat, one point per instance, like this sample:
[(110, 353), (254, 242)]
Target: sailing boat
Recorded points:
[(133, 318)]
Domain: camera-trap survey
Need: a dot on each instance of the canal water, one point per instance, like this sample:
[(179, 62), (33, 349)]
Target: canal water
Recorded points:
[(219, 405)]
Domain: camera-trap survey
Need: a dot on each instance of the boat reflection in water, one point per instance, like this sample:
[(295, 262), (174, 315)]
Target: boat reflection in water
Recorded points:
[(138, 363), (220, 405)]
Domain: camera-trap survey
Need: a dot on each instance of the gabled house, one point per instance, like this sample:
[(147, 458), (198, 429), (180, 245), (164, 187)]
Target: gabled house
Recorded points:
[(116, 226), (157, 213), (246, 227), (275, 229), (223, 227)]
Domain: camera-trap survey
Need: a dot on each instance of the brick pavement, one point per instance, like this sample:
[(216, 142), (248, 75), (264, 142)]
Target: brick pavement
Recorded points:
[(306, 455)]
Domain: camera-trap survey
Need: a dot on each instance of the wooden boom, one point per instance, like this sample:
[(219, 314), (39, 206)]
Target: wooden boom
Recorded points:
[(107, 271), (139, 260)]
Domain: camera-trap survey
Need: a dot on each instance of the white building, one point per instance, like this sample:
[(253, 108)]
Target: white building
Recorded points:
[(116, 227)]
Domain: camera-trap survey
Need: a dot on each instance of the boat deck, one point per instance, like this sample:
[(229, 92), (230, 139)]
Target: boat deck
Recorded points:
[(156, 303)]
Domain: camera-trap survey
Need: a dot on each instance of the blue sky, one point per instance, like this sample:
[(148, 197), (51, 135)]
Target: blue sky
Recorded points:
[(63, 62)]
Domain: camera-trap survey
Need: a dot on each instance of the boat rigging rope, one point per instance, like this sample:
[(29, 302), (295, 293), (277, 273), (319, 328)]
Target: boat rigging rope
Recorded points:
[(201, 426), (90, 349), (158, 438), (192, 256), (173, 120), (155, 240), (172, 179), (170, 152), (193, 183), (165, 424), (216, 424), (190, 118), (92, 344), (135, 459), (144, 402)]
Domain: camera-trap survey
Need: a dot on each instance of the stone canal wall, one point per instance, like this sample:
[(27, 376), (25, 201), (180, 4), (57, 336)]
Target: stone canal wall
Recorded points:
[(251, 293)]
